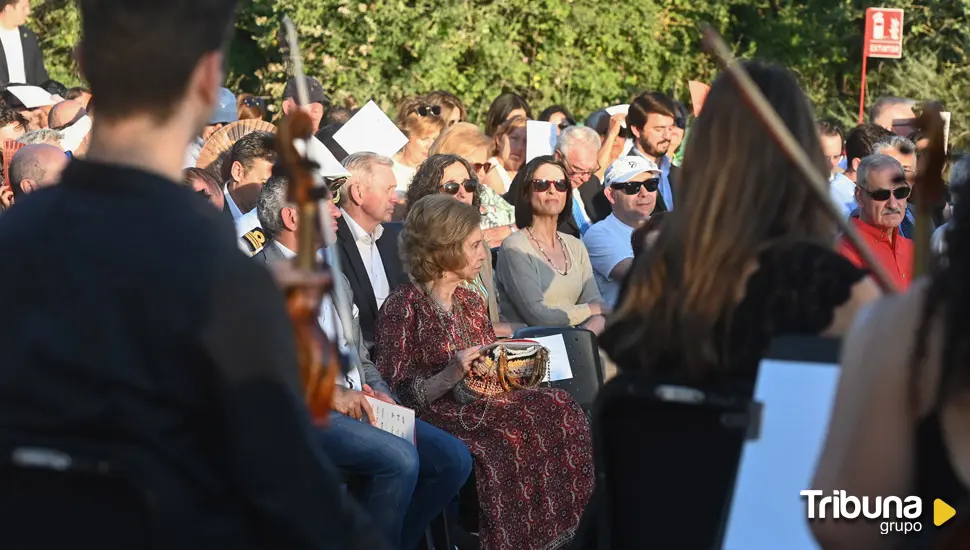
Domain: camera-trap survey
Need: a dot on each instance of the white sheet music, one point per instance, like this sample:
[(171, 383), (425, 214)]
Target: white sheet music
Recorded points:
[(394, 419), (767, 512)]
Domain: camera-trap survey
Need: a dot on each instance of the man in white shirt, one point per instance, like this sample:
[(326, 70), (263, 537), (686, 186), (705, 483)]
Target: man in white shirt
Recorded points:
[(366, 240), (21, 61), (405, 487), (651, 119), (631, 186)]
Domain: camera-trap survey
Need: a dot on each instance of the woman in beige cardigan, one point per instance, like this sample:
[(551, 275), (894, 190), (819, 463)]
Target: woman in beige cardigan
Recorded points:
[(544, 277)]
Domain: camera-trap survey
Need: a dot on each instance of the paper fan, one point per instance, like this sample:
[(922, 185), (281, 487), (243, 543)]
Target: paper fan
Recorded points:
[(217, 147), (10, 148)]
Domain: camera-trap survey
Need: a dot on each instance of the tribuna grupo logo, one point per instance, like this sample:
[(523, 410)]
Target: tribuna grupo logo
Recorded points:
[(839, 505)]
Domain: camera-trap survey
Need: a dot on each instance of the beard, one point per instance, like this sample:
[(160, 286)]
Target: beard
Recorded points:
[(654, 149)]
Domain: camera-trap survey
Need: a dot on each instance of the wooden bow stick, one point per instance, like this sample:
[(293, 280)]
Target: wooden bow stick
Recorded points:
[(776, 128)]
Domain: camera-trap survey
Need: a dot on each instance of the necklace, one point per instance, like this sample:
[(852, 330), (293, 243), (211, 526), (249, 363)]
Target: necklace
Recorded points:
[(542, 251), (443, 316)]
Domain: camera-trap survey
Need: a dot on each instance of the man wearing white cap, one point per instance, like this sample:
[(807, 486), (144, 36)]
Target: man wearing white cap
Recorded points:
[(631, 186)]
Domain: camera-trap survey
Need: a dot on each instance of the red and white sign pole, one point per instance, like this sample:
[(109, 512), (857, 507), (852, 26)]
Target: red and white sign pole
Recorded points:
[(884, 38)]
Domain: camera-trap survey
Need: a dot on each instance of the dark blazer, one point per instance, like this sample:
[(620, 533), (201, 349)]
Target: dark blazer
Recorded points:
[(353, 267), (598, 207), (34, 68)]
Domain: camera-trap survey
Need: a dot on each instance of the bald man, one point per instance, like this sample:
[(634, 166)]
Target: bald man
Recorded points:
[(34, 167), (64, 113)]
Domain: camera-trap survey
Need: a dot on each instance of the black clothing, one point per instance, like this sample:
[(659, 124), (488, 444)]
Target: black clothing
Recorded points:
[(137, 323), (795, 290), (935, 476), (353, 268), (34, 68)]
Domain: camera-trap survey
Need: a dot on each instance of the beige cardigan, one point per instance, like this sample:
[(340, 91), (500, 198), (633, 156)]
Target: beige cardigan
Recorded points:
[(532, 292)]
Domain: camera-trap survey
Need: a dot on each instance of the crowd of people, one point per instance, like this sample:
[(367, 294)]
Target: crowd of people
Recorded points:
[(684, 268)]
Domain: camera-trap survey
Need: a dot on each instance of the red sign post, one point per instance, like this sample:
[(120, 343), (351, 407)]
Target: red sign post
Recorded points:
[(884, 38)]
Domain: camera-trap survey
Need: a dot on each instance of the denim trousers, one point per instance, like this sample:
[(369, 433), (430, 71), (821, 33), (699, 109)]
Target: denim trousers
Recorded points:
[(404, 487)]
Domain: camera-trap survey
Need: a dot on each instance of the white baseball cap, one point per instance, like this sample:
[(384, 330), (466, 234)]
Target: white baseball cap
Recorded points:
[(625, 169)]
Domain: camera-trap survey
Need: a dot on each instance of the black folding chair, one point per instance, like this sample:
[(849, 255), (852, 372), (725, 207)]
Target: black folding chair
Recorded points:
[(666, 460), (584, 360), (56, 496)]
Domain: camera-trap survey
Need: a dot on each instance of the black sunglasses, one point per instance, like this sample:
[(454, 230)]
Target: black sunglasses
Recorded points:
[(883, 194), (541, 186), (452, 187), (633, 187), (426, 110)]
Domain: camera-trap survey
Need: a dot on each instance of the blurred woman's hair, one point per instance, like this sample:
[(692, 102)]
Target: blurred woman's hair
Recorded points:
[(448, 103), (427, 180), (249, 106), (738, 195), (462, 139), (501, 108), (507, 128), (546, 114), (640, 238)]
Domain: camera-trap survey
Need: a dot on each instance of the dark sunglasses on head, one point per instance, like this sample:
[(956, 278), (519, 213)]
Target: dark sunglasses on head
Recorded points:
[(541, 186), (633, 187), (452, 187), (883, 194), (426, 110)]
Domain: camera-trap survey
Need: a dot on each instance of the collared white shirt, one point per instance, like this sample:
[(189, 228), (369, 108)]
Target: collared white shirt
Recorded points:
[(329, 322), (236, 212), (371, 257), (13, 50)]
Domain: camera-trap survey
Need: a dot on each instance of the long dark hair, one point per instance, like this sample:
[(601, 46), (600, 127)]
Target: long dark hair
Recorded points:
[(501, 108), (427, 180), (736, 198)]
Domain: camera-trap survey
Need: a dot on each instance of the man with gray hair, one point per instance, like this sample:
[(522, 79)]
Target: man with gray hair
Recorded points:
[(887, 109), (44, 135), (366, 240), (578, 148), (882, 192), (903, 150), (35, 166)]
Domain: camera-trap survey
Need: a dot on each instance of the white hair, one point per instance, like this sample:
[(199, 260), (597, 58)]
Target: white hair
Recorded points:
[(44, 135), (578, 136), (875, 163), (361, 168)]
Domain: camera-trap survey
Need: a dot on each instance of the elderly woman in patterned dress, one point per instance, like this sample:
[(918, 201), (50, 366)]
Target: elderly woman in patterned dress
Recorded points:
[(532, 448)]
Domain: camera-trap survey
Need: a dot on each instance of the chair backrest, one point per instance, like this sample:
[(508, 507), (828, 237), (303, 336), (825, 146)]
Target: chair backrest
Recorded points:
[(56, 497), (666, 459), (584, 360)]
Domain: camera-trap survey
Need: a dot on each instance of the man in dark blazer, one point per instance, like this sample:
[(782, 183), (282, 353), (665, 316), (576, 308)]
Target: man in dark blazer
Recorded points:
[(360, 283), (21, 61)]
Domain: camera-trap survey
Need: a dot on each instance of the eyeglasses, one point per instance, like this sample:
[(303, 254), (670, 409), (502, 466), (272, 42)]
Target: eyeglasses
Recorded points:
[(541, 186), (883, 194), (452, 187), (633, 187), (426, 110), (572, 171), (482, 167)]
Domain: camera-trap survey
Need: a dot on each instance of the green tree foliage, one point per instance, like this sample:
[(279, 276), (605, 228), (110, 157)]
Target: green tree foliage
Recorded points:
[(584, 54)]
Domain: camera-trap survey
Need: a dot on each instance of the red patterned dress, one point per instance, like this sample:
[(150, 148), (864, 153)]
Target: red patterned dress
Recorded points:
[(532, 448)]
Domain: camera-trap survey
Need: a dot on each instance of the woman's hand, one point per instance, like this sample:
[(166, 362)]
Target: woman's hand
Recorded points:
[(596, 324), (460, 364)]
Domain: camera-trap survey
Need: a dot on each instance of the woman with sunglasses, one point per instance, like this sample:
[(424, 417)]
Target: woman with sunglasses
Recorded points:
[(545, 277), (470, 143), (453, 176), (422, 124)]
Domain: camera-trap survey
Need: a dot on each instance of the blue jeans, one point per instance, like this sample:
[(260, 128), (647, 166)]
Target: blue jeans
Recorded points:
[(405, 488)]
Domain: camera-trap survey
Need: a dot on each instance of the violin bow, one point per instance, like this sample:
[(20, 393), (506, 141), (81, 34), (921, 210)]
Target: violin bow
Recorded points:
[(929, 187), (344, 311), (776, 128)]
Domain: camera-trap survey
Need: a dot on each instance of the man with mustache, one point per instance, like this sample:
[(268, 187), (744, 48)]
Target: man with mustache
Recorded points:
[(882, 192), (651, 120)]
